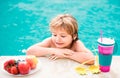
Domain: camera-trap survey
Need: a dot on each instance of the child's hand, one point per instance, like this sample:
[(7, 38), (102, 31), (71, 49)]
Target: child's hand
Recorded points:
[(61, 54)]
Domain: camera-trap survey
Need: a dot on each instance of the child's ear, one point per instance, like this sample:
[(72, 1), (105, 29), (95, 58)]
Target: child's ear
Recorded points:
[(74, 37)]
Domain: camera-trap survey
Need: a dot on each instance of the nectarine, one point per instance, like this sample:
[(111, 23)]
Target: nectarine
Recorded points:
[(32, 60)]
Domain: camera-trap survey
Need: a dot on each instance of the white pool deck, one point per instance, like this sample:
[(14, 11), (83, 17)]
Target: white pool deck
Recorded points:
[(62, 68)]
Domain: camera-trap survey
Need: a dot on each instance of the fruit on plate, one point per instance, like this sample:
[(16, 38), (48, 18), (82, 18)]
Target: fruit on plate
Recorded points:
[(32, 60), (14, 70), (23, 67), (10, 66)]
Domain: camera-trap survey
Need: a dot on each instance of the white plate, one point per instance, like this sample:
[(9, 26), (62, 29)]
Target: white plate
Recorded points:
[(31, 71)]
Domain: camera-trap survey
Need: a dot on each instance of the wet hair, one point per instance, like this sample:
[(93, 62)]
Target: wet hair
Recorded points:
[(66, 22)]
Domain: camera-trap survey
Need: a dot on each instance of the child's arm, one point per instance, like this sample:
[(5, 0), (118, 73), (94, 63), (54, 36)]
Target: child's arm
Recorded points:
[(39, 51), (44, 48), (81, 53), (82, 57)]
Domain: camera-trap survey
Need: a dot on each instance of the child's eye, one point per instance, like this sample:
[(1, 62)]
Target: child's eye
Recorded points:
[(63, 36), (54, 34)]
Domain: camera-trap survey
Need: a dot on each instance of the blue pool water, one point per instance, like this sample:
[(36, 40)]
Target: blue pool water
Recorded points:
[(25, 22)]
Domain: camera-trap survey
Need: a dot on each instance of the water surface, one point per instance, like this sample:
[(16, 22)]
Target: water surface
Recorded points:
[(25, 22)]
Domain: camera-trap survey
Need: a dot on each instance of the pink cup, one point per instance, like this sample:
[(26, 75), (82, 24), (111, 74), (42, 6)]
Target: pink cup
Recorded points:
[(104, 68), (105, 49), (106, 45)]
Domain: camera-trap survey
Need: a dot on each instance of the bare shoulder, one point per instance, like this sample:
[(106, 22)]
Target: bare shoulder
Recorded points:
[(45, 43), (79, 43), (79, 46)]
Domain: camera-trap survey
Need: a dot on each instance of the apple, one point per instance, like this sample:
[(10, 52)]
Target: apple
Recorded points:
[(32, 60), (23, 67)]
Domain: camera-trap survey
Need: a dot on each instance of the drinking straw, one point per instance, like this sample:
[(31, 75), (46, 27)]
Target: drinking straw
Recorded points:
[(87, 61), (96, 57), (101, 33)]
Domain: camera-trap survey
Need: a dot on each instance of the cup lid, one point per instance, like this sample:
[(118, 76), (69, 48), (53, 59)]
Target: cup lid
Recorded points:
[(106, 41)]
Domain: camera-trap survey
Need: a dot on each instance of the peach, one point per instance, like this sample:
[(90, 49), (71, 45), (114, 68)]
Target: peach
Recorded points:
[(32, 60)]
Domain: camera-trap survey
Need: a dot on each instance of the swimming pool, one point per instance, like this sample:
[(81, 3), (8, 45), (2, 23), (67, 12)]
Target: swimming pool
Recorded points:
[(25, 22)]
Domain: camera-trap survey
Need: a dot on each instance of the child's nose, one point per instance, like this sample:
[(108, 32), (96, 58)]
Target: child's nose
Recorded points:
[(58, 39)]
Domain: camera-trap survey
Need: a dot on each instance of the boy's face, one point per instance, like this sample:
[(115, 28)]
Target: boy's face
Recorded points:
[(61, 38)]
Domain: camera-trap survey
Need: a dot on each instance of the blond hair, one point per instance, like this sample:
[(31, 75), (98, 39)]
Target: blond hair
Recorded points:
[(66, 22)]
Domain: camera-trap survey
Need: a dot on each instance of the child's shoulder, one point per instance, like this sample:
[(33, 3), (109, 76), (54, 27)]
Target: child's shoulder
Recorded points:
[(78, 46), (49, 42), (79, 42), (46, 42)]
